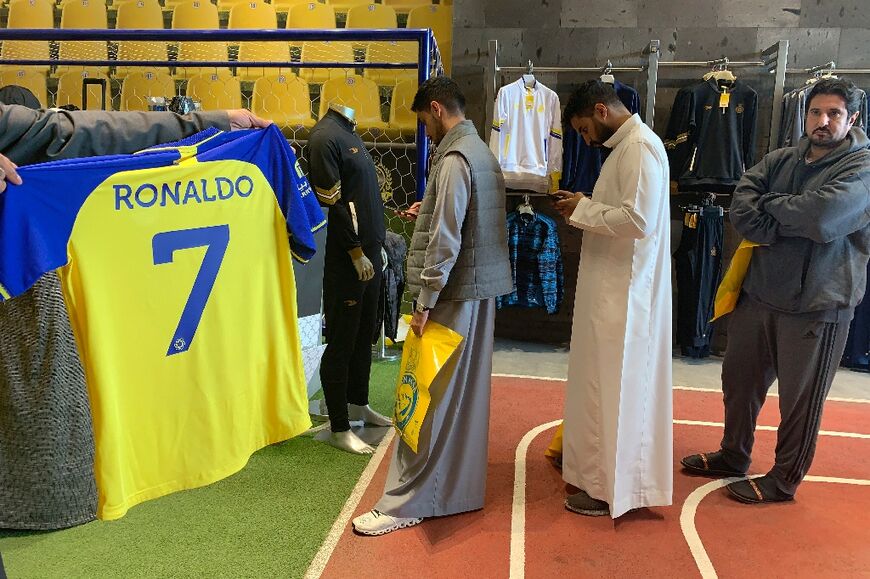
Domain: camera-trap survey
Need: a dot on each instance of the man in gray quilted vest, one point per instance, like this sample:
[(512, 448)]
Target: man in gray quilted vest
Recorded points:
[(457, 265)]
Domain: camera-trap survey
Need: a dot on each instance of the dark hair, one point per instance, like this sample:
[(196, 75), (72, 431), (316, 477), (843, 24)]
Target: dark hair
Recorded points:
[(441, 89), (841, 87), (13, 94), (583, 100)]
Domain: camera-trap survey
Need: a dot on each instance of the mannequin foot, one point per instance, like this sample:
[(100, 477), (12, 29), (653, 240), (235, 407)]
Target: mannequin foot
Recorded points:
[(367, 415), (349, 442)]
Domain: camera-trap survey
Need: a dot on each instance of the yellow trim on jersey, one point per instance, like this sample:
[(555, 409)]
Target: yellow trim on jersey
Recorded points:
[(319, 226), (507, 142), (4, 293), (555, 133), (300, 259), (329, 196), (184, 150)]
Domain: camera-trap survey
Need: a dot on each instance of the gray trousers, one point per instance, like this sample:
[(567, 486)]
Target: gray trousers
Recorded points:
[(802, 351)]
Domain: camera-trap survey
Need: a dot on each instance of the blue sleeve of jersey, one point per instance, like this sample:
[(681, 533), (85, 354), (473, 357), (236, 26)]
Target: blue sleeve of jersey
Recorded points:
[(37, 217)]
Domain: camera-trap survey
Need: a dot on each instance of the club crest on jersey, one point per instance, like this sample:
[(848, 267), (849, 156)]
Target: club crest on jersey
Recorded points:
[(147, 195)]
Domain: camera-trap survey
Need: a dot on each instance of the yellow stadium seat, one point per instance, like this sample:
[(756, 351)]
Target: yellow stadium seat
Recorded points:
[(78, 14), (190, 51), (326, 52), (140, 50), (138, 86), (391, 51), (405, 6), (195, 14), (253, 15), (311, 15), (403, 122), (227, 5), (345, 5), (371, 16), (362, 96), (69, 90), (144, 14), (263, 52), (440, 19), (287, 5), (284, 100), (31, 14), (215, 92), (32, 80), (27, 50), (83, 14), (172, 4)]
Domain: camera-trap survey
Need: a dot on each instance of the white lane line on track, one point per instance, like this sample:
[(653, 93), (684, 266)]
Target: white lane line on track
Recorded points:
[(518, 512), (318, 564), (687, 515), (690, 508), (684, 388), (773, 429)]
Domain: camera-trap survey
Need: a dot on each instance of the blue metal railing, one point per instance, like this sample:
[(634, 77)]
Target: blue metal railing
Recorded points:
[(423, 37)]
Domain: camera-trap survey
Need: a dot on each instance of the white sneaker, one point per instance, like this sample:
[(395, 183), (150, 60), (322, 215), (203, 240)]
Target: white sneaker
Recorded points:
[(375, 523)]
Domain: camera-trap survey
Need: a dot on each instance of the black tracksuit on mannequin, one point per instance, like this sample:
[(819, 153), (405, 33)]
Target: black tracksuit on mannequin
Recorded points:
[(345, 180)]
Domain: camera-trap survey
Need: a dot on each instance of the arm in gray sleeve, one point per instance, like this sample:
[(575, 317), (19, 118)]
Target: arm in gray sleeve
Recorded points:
[(838, 208), (453, 189), (747, 215), (32, 136)]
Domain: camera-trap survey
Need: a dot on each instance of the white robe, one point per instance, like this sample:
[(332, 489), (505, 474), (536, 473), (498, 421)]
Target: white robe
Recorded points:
[(618, 438)]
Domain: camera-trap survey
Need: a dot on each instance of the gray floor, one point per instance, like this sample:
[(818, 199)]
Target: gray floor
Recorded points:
[(552, 361)]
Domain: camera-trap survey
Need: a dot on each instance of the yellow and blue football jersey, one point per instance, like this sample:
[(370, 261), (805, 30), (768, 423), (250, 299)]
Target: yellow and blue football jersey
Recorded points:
[(177, 273)]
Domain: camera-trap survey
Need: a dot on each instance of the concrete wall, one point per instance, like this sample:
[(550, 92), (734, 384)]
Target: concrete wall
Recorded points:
[(589, 32)]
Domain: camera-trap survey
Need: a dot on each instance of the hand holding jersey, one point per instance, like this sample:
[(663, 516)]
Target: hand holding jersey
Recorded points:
[(8, 172), (245, 119)]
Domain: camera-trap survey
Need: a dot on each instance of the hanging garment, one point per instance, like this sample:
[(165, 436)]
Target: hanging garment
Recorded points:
[(710, 137), (698, 261), (393, 284), (176, 271), (857, 355), (527, 136), (793, 121), (536, 262), (618, 435), (581, 164)]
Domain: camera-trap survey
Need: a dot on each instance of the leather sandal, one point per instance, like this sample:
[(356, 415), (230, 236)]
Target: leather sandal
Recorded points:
[(758, 490), (711, 464)]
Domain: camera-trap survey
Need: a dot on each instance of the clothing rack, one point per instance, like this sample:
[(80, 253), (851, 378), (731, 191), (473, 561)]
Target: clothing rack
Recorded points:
[(773, 59), (493, 68)]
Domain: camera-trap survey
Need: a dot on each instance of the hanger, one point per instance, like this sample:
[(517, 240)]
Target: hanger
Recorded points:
[(720, 73), (525, 208), (529, 78), (607, 75)]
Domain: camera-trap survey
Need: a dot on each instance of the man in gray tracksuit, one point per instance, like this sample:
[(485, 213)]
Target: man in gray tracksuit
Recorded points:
[(809, 207)]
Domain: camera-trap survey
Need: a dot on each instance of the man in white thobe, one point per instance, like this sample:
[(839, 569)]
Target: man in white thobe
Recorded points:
[(618, 438)]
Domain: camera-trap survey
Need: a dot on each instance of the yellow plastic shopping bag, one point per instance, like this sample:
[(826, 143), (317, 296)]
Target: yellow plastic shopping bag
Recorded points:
[(422, 360), (732, 281), (555, 448)]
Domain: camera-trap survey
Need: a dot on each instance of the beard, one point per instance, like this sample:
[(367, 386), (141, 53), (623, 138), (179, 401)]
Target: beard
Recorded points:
[(823, 138), (602, 134)]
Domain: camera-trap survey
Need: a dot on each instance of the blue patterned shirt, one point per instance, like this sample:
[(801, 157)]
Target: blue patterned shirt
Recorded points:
[(536, 263)]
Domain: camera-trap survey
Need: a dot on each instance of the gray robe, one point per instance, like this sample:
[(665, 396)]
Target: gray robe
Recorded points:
[(46, 438), (448, 473)]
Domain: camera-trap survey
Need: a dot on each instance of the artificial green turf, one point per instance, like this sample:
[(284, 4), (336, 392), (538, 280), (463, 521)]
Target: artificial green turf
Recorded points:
[(268, 520)]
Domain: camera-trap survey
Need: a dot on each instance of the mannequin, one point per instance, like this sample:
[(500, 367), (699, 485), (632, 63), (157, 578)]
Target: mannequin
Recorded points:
[(345, 180)]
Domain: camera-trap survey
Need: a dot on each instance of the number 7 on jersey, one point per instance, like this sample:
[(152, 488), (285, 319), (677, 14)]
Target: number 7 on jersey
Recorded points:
[(215, 239)]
